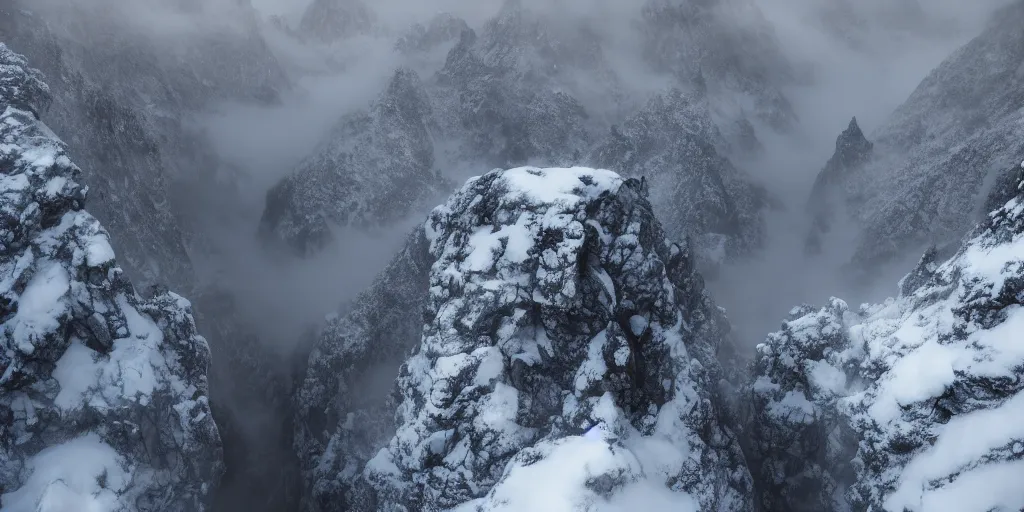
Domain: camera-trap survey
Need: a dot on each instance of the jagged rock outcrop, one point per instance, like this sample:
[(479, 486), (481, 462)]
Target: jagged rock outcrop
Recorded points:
[(552, 304), (499, 93), (853, 151), (375, 168), (674, 144), (940, 152), (103, 393), (909, 405)]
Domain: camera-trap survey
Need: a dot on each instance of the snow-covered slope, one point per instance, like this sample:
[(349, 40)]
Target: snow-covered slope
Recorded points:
[(937, 155), (914, 404), (553, 306), (103, 393)]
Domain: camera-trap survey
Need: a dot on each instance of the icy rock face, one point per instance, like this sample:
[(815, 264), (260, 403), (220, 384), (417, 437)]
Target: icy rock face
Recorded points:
[(924, 388), (103, 394), (376, 167), (939, 153), (853, 151), (124, 104), (674, 144), (553, 304)]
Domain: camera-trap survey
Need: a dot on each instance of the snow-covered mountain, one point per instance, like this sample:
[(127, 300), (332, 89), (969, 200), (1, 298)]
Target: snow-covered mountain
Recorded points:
[(122, 103), (104, 402), (531, 88), (910, 405), (937, 156), (726, 47), (375, 168), (553, 306)]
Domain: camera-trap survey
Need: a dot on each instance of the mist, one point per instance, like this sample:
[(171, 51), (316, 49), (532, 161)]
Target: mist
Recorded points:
[(863, 63), (865, 69)]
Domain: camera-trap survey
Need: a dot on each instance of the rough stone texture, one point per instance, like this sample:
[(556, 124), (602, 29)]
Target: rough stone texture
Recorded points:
[(925, 388), (103, 394), (343, 415), (553, 304)]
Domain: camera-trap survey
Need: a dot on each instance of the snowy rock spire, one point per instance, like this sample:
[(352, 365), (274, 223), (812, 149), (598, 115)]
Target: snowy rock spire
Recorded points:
[(103, 394), (853, 150), (910, 405), (554, 305)]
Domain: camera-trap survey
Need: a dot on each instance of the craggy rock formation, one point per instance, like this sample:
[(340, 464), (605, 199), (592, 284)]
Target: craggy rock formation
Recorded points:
[(534, 88), (123, 100), (939, 154), (423, 37), (909, 405), (103, 393), (552, 306), (853, 151)]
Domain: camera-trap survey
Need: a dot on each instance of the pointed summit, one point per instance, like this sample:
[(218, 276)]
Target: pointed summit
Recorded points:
[(853, 150), (851, 145), (854, 128)]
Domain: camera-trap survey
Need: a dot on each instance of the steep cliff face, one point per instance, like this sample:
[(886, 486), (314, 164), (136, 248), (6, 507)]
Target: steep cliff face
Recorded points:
[(553, 304), (103, 393), (940, 152), (912, 404)]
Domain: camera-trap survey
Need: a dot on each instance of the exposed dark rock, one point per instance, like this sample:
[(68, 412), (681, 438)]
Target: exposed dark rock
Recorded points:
[(554, 304), (105, 392)]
